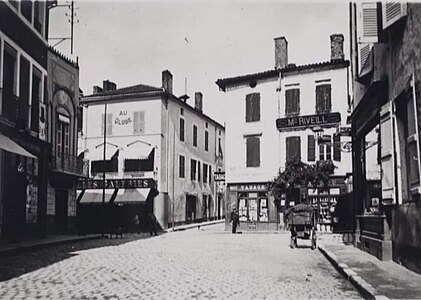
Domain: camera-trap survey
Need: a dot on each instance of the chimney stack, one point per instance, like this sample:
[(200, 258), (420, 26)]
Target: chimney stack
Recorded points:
[(198, 101), (281, 52), (167, 81), (97, 89), (108, 86), (337, 47)]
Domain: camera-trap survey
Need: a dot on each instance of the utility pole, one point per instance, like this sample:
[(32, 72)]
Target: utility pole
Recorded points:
[(103, 171)]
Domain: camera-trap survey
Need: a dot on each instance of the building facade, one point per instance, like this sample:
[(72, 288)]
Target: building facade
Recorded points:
[(279, 110), (386, 109), (153, 135), (24, 153)]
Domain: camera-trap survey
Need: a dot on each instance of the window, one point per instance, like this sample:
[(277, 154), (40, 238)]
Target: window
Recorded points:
[(181, 166), (253, 151), (26, 9), (206, 140), (181, 111), (138, 122), (253, 107), (181, 129), (293, 148), (193, 170), (111, 165), (205, 173), (292, 102), (109, 121), (36, 99), (140, 165), (325, 148), (39, 16), (323, 101), (311, 148), (194, 135), (220, 153), (198, 171), (210, 174), (9, 82), (24, 77), (63, 141)]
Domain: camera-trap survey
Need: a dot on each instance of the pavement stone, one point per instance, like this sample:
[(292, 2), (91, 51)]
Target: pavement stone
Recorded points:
[(189, 264), (374, 278)]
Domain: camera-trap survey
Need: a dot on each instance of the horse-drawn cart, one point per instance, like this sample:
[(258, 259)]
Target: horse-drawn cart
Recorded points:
[(301, 220)]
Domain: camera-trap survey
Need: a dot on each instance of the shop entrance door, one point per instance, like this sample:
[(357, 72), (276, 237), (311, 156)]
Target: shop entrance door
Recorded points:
[(190, 209), (61, 206)]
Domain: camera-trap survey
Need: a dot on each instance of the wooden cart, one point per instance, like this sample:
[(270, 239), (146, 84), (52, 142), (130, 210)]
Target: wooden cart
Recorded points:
[(301, 220)]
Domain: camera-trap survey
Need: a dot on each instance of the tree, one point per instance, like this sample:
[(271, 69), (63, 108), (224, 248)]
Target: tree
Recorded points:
[(299, 174)]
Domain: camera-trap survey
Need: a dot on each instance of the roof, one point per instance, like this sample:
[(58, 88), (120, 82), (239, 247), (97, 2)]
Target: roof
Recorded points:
[(273, 74), (134, 89)]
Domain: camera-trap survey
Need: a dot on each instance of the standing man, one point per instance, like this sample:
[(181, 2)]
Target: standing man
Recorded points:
[(235, 220), (136, 220)]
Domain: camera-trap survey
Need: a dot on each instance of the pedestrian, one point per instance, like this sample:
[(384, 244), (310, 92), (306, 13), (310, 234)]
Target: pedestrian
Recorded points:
[(235, 220), (136, 221), (152, 224)]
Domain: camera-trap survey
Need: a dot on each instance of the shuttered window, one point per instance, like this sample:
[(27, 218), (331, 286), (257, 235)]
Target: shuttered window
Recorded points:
[(253, 107), (323, 98), (292, 102), (206, 140), (210, 174), (311, 148), (252, 151), (293, 148), (181, 129), (205, 173), (109, 124), (181, 166), (198, 171), (337, 147), (138, 122), (392, 12), (194, 135), (193, 170)]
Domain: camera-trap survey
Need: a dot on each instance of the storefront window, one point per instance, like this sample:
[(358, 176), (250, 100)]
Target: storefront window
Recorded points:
[(253, 206)]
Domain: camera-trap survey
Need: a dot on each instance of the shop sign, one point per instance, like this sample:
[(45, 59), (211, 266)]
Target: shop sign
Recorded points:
[(308, 121), (219, 176), (249, 187), (116, 183)]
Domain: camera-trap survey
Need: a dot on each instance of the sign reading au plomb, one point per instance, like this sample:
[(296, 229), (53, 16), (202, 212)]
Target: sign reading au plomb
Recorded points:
[(115, 183), (308, 121)]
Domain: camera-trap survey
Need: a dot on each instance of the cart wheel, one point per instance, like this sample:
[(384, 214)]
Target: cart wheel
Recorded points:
[(313, 240)]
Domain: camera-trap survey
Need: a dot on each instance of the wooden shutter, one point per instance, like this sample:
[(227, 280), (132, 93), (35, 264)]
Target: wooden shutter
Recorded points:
[(139, 122), (182, 129), (198, 171), (181, 166), (413, 139), (253, 107), (205, 173), (195, 135), (368, 23), (387, 154), (293, 148), (392, 12), (206, 140), (323, 98), (253, 151), (292, 102), (193, 169), (210, 174), (311, 148), (337, 147)]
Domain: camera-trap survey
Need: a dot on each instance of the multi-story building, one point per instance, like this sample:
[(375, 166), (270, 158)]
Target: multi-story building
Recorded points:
[(153, 141), (24, 149), (64, 122), (280, 110), (386, 76)]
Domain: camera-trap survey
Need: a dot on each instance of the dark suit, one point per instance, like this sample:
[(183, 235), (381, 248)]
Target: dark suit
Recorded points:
[(235, 219)]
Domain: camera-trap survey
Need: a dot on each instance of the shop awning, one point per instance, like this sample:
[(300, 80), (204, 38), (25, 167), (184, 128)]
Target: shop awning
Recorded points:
[(10, 146), (138, 150), (97, 152), (132, 195), (95, 196)]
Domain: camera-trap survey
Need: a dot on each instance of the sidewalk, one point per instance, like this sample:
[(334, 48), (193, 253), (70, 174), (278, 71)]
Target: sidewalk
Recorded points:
[(193, 225), (372, 277), (52, 240)]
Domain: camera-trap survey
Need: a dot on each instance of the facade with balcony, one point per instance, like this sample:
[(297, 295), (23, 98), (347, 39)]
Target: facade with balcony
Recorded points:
[(24, 149), (157, 152), (386, 109)]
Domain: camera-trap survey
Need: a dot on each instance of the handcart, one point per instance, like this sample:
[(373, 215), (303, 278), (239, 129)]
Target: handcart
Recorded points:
[(301, 220)]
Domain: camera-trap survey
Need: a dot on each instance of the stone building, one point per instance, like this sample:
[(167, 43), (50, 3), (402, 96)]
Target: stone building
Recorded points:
[(158, 140), (279, 112), (386, 72)]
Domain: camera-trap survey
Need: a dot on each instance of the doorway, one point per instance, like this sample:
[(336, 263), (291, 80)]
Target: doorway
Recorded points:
[(61, 206), (190, 208)]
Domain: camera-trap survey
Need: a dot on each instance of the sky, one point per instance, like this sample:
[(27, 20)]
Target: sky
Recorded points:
[(132, 42)]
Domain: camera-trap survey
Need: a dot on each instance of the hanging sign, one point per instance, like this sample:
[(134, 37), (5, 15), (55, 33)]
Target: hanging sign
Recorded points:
[(330, 119), (219, 176)]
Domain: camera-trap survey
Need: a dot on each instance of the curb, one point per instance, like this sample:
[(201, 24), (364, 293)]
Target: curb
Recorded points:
[(191, 226), (43, 244), (365, 289)]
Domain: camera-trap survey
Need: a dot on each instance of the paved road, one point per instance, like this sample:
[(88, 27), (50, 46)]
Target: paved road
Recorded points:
[(191, 264)]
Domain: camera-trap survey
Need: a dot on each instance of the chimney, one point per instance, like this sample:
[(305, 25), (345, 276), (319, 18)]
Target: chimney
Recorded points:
[(337, 47), (281, 52), (198, 101), (167, 81), (97, 89), (108, 86)]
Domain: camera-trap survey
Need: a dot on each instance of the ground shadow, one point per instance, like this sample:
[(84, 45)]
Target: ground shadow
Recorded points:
[(25, 261)]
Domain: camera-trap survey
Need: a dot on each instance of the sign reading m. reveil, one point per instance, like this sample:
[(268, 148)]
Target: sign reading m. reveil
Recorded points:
[(308, 121), (116, 183)]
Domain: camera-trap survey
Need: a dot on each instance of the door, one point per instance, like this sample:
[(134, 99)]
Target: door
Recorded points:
[(190, 208), (61, 206)]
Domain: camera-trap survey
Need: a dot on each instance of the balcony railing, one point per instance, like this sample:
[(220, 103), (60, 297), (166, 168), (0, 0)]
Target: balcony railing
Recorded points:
[(68, 163)]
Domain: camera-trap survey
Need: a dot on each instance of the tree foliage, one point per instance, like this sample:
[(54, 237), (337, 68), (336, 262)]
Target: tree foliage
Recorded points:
[(299, 174)]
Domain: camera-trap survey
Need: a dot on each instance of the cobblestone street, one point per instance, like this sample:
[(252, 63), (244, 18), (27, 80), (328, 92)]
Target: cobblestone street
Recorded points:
[(192, 264)]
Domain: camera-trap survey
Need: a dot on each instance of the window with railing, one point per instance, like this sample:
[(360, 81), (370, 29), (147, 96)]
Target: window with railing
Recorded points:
[(100, 166)]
